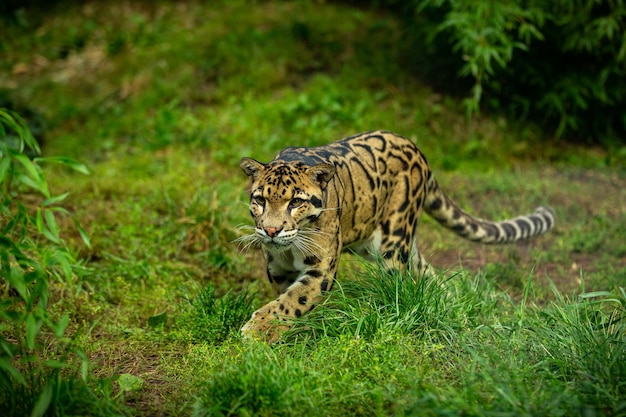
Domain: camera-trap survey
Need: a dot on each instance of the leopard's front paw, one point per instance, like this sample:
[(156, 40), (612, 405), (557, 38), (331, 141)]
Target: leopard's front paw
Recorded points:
[(264, 325)]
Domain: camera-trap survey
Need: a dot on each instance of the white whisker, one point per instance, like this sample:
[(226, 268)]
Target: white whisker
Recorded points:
[(304, 249), (245, 227), (313, 233), (307, 245), (245, 242)]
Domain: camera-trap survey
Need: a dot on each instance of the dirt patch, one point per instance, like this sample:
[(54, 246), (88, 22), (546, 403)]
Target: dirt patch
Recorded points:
[(139, 360), (589, 239)]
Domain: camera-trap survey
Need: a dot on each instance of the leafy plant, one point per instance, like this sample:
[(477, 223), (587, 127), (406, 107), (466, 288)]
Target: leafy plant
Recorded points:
[(561, 63), (35, 353)]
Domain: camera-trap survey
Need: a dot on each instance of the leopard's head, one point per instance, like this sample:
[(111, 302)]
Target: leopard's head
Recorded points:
[(284, 199)]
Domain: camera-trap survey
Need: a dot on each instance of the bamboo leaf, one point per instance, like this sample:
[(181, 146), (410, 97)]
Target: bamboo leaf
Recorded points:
[(43, 402), (8, 367), (32, 328), (53, 227), (44, 227), (31, 168), (16, 279), (59, 328), (52, 363), (54, 200), (84, 364), (39, 220), (68, 162), (158, 320), (83, 234), (35, 184), (5, 164)]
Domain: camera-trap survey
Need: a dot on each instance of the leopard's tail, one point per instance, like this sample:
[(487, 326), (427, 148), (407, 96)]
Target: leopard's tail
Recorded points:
[(448, 213)]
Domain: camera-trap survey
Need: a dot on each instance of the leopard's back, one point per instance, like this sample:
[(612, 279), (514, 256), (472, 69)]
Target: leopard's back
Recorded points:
[(369, 168), (368, 187)]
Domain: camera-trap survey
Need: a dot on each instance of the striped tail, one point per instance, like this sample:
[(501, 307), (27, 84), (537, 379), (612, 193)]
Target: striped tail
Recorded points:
[(449, 214)]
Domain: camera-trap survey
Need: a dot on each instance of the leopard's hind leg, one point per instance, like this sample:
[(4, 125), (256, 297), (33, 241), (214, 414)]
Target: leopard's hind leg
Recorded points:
[(403, 209)]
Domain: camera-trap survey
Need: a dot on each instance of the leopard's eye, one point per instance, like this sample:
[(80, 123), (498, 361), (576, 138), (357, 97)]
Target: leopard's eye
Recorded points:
[(258, 200), (295, 203)]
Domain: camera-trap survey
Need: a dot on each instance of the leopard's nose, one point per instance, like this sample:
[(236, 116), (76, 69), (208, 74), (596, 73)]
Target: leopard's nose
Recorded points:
[(272, 231)]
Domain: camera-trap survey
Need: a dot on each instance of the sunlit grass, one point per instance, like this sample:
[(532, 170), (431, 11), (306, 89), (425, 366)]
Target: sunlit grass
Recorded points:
[(478, 354)]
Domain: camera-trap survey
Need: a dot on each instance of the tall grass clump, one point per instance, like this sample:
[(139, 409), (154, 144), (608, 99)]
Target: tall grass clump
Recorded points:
[(567, 358), (586, 346), (212, 319), (42, 371), (379, 300), (559, 360)]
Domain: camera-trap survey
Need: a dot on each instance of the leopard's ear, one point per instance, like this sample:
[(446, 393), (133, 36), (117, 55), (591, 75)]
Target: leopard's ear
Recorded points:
[(251, 167), (321, 174)]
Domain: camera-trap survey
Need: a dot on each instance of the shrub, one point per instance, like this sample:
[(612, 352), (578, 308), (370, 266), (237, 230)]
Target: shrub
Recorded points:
[(41, 370), (560, 63)]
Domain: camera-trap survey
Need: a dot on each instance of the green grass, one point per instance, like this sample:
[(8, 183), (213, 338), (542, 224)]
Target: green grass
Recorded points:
[(160, 100), (476, 353)]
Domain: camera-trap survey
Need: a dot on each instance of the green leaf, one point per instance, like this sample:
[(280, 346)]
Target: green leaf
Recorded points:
[(32, 328), (39, 220), (59, 328), (40, 186), (83, 234), (5, 164), (43, 402), (34, 177), (59, 210), (53, 227), (596, 294), (68, 162), (130, 383), (16, 279), (49, 229), (36, 270), (7, 366), (52, 363), (159, 319), (40, 294), (32, 169), (54, 200), (84, 364), (15, 122)]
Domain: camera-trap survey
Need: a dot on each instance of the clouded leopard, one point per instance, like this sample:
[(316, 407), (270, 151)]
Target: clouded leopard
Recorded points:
[(364, 194)]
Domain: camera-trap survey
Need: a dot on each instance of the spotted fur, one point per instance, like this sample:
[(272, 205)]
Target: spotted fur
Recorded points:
[(363, 194)]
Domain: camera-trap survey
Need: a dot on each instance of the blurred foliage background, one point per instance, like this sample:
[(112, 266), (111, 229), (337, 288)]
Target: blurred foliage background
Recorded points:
[(561, 64)]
